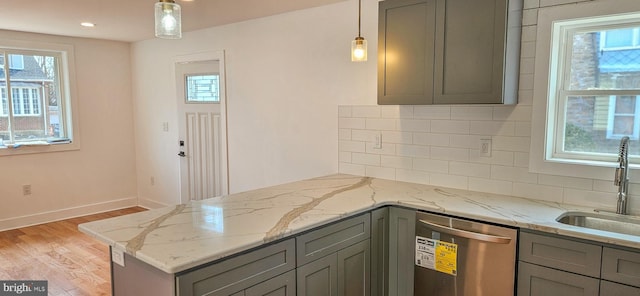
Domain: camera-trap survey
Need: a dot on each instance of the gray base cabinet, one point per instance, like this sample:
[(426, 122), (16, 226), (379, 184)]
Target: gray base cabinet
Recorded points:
[(335, 259), (552, 265), (402, 230), (380, 252), (535, 280)]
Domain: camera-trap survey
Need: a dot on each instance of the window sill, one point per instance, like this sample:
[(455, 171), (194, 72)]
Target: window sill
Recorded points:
[(37, 147)]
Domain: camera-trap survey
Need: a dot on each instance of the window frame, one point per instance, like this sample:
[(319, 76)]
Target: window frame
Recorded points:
[(544, 111), (68, 96)]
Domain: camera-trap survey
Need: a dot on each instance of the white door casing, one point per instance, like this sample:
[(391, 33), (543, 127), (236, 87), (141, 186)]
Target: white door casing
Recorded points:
[(202, 130)]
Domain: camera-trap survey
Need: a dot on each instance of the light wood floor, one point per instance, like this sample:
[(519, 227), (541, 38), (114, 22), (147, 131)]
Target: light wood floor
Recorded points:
[(72, 262)]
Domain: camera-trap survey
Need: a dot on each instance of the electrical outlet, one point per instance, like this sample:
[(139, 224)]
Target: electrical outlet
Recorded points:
[(485, 147), (26, 189), (377, 141), (117, 256)]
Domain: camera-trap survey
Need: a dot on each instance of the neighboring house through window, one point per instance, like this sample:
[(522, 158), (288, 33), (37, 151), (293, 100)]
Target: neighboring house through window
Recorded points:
[(36, 105)]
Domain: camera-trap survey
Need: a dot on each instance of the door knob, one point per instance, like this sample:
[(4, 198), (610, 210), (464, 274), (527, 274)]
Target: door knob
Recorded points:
[(181, 154)]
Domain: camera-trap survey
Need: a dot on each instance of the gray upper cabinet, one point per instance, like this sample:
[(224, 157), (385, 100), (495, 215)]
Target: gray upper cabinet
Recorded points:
[(449, 52)]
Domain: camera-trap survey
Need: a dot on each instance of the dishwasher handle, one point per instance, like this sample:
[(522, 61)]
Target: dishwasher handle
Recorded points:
[(468, 234)]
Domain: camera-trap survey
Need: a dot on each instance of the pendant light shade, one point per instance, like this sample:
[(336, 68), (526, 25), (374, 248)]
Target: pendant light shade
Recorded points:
[(168, 22), (359, 45)]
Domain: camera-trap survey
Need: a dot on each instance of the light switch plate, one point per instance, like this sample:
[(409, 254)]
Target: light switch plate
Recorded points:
[(117, 256)]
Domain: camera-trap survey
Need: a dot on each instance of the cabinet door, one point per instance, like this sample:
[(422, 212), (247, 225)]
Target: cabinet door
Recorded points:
[(402, 236), (380, 252), (318, 277), (615, 289), (354, 270), (534, 280), (469, 53), (621, 266), (405, 51), (282, 285)]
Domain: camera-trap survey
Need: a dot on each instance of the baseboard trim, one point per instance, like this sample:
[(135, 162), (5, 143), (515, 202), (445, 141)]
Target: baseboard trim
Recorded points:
[(62, 214), (151, 204)]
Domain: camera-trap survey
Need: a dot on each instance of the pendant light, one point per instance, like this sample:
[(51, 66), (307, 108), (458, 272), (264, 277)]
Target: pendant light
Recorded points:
[(168, 23), (359, 45)]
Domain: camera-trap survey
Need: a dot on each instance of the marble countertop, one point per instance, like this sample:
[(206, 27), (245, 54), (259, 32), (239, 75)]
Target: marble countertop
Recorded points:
[(180, 237)]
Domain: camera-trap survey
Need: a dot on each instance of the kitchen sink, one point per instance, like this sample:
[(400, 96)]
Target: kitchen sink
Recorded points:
[(611, 222)]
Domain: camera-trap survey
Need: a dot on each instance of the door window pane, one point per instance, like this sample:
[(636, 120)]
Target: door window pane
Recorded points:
[(203, 88)]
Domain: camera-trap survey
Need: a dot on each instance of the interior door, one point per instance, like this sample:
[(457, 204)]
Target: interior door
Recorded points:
[(202, 129)]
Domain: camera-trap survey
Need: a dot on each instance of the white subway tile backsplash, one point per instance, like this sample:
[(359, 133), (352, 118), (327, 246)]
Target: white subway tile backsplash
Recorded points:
[(529, 33), (539, 192), (527, 65), (344, 111), (471, 113), (515, 144), (521, 159), (429, 139), (398, 162), (431, 165), (397, 111), (490, 186), (566, 182), (412, 176), (451, 181), (513, 113), (344, 156), (347, 122), (366, 111), (366, 159), (513, 174), (470, 169), (525, 97), (448, 153), (380, 172), (528, 49), (344, 134), (397, 137), (450, 126), (531, 4), (523, 129), (414, 125), (466, 141), (529, 17), (595, 199), (413, 151), (381, 124), (387, 149), (607, 186), (526, 81), (363, 135), (351, 146), (350, 168), (504, 158), (432, 112), (492, 128)]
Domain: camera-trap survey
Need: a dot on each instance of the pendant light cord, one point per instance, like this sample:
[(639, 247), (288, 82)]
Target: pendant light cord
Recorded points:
[(359, 15)]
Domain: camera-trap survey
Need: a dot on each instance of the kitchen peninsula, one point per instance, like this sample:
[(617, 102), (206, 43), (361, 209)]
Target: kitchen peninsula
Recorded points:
[(182, 239)]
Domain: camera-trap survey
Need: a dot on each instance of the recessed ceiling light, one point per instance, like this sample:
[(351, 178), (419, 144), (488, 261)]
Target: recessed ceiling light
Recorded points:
[(88, 24)]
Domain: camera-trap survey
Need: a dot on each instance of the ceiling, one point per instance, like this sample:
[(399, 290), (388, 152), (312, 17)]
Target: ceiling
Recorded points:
[(132, 20)]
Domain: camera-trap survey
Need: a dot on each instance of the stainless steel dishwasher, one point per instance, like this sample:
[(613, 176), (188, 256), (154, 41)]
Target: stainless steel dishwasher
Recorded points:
[(463, 258)]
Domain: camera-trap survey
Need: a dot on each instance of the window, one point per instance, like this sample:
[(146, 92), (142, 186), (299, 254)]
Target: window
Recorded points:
[(596, 89), (35, 97), (203, 88)]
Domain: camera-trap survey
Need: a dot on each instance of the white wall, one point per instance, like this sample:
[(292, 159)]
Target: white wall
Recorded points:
[(101, 175), (286, 75)]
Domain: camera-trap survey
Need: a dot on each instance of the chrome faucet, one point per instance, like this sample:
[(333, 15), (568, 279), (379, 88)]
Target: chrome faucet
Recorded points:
[(621, 178)]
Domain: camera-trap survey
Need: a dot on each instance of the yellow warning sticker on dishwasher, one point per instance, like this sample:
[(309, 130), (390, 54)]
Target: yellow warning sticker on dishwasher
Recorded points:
[(437, 255)]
